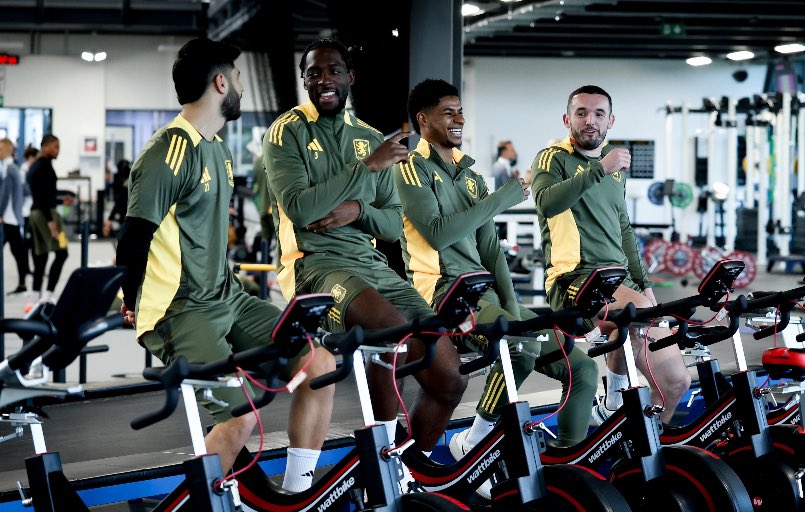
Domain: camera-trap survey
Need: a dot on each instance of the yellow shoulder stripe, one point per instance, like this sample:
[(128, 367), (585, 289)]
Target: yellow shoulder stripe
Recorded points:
[(409, 173), (545, 158), (275, 132), (367, 126), (176, 151)]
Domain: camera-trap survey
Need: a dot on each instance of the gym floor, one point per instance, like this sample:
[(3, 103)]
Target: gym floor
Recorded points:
[(94, 437)]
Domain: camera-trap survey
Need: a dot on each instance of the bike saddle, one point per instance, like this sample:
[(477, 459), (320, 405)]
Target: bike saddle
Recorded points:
[(785, 362)]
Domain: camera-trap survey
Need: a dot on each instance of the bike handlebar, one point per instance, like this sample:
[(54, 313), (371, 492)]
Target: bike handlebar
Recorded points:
[(621, 318), (45, 332), (58, 356), (711, 334), (493, 333), (170, 377), (346, 345)]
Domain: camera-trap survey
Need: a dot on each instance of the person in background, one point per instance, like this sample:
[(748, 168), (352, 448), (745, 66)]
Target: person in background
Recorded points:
[(46, 223), (503, 169), (120, 191), (262, 200), (11, 198), (29, 156)]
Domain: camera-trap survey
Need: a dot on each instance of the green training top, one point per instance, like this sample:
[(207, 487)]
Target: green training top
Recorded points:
[(313, 164), (448, 226), (182, 183), (582, 215)]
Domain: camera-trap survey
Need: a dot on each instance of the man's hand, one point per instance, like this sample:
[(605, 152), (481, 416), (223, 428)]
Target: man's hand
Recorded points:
[(128, 315), (343, 214), (649, 293), (54, 231), (526, 187), (388, 153), (107, 227), (616, 160)]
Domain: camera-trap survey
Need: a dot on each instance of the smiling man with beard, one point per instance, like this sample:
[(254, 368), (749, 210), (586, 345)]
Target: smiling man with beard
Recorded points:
[(333, 193), (579, 187), (174, 240)]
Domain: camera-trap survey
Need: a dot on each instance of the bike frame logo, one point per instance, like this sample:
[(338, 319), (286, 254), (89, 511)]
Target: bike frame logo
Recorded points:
[(336, 493)]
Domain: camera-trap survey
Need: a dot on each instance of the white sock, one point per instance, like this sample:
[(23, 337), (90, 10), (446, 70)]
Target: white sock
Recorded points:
[(479, 429), (391, 429), (299, 469), (615, 383)]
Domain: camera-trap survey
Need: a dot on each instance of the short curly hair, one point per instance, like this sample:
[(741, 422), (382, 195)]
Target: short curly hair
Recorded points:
[(426, 94)]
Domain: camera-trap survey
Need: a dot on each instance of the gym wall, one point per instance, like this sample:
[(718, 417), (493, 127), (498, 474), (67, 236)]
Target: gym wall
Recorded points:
[(526, 106), (523, 99), (135, 76)]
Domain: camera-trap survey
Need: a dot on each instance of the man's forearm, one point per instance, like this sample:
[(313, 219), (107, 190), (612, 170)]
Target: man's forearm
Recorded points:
[(132, 252)]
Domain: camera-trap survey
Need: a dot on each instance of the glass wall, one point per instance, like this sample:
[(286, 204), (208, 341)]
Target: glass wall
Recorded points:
[(127, 131), (25, 126)]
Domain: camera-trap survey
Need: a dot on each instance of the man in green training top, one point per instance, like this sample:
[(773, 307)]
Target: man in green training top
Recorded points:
[(579, 188), (173, 241), (449, 230), (333, 192)]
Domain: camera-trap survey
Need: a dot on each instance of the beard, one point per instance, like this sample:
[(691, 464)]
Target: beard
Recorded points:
[(230, 107), (342, 93), (588, 144)]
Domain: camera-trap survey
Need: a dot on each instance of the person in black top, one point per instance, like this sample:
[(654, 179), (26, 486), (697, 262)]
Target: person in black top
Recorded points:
[(120, 189), (46, 224)]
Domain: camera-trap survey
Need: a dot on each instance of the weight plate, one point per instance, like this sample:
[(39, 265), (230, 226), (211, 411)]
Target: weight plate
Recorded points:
[(705, 259), (655, 193), (679, 258), (654, 255), (682, 195)]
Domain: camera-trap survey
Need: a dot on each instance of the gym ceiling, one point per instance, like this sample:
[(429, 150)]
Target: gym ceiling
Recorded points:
[(656, 29)]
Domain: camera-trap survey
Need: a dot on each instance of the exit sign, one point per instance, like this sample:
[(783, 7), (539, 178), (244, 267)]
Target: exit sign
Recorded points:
[(672, 29), (9, 59)]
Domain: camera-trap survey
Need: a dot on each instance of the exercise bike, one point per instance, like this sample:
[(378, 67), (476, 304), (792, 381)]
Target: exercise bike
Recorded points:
[(626, 447), (54, 342), (769, 459), (736, 421), (769, 314), (511, 450), (368, 476)]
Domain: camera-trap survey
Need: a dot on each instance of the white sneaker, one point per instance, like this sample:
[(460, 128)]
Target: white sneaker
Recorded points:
[(458, 449), (600, 413), (458, 445)]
